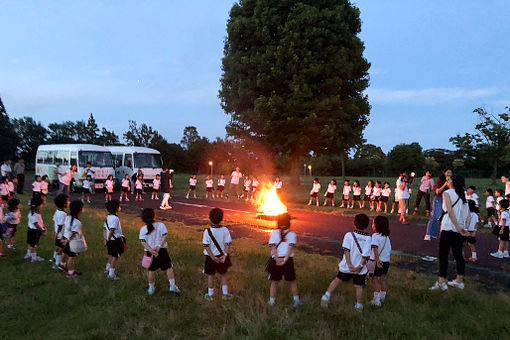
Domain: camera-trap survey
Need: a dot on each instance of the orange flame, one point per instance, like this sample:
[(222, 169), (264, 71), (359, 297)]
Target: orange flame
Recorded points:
[(268, 202)]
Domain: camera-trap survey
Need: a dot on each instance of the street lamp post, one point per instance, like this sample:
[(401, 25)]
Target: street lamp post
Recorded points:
[(211, 165), (310, 169)]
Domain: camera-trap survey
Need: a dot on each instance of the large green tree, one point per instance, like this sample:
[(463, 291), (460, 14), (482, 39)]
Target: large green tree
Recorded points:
[(142, 135), (407, 157), (9, 140), (489, 144), (294, 75), (33, 134)]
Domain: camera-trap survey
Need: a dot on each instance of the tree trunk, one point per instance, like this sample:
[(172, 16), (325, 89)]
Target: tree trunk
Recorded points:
[(295, 170), (342, 162), (494, 169)]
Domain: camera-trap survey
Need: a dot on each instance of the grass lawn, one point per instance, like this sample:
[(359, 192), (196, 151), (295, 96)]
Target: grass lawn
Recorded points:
[(38, 302)]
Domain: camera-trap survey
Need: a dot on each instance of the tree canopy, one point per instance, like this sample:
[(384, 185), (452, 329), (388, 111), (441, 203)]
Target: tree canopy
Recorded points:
[(294, 75), (10, 139)]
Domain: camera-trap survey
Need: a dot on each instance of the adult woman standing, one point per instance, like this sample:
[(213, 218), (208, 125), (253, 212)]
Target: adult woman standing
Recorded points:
[(437, 205), (453, 229)]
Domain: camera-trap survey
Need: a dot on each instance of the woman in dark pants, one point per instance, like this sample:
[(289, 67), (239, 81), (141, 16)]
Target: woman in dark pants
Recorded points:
[(437, 205), (453, 229)]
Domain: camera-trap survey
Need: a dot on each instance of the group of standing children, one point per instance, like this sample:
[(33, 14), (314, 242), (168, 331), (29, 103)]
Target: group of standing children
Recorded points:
[(250, 187), (376, 195)]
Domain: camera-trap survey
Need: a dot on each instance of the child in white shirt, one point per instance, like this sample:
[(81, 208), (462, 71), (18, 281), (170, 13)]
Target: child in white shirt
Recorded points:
[(346, 194), (357, 246), (125, 188), (247, 188), (503, 236), (139, 188), (209, 187), (10, 188), (356, 194), (156, 183), (330, 193), (59, 217), (282, 243), (314, 193), (153, 238), (471, 229), (72, 231), (491, 208), (12, 219), (36, 187), (45, 182), (217, 258), (376, 197), (35, 228), (254, 187), (385, 196), (221, 186), (109, 188), (278, 185), (86, 188), (368, 193), (380, 257), (113, 238), (192, 186)]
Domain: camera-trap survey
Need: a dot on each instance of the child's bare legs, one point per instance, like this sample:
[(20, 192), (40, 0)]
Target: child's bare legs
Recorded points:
[(332, 286), (273, 289), (325, 201), (332, 202), (151, 278), (70, 265), (210, 284), (359, 294), (189, 192)]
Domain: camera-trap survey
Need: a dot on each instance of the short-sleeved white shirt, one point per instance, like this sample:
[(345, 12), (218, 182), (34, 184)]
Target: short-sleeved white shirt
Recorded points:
[(221, 182), (473, 197), (386, 192), (109, 185), (290, 239), (4, 189), (499, 199), (139, 184), (209, 183), (504, 219), (36, 186), (364, 241), (356, 191), (377, 192), (34, 219), (235, 177), (6, 169), (383, 245), (247, 184), (316, 188), (489, 203), (255, 183), (331, 188), (426, 184), (368, 190), (156, 183), (192, 182), (347, 190), (507, 188), (10, 186), (66, 177), (86, 184), (12, 217), (113, 224), (90, 171), (154, 238), (72, 228), (473, 222), (404, 194), (59, 219), (278, 184), (222, 236), (126, 183)]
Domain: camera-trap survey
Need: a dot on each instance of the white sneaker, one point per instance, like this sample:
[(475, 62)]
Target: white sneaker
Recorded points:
[(37, 259), (376, 303), (27, 256), (426, 238), (498, 255), (113, 277), (342, 206), (439, 286), (309, 203), (454, 283), (324, 302), (270, 303), (506, 255)]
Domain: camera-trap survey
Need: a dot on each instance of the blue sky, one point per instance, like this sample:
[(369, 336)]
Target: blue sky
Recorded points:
[(158, 62)]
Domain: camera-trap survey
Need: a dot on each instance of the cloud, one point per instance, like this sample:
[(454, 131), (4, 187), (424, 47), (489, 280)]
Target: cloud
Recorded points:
[(428, 96)]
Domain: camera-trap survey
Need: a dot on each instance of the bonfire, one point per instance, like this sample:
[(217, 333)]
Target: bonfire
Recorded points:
[(268, 203)]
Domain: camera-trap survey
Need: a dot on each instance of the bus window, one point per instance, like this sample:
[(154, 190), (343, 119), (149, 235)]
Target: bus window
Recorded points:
[(128, 160), (62, 157), (48, 159), (41, 156), (74, 158), (118, 160)]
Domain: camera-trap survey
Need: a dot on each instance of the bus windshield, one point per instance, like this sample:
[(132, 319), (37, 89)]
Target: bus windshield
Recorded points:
[(97, 158), (147, 160)]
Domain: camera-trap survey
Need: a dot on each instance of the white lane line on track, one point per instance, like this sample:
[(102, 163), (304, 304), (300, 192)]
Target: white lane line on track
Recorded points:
[(210, 206)]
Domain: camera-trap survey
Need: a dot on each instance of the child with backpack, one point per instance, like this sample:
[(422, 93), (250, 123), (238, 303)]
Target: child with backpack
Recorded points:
[(113, 238), (216, 242), (357, 246), (153, 238), (282, 242)]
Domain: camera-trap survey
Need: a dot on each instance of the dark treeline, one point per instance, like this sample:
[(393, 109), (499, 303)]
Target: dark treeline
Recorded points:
[(485, 153)]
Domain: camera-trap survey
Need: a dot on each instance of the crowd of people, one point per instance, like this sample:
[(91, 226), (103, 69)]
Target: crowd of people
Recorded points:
[(454, 218)]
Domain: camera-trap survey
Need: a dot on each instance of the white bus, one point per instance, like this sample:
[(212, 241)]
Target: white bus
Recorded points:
[(80, 154), (129, 159)]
